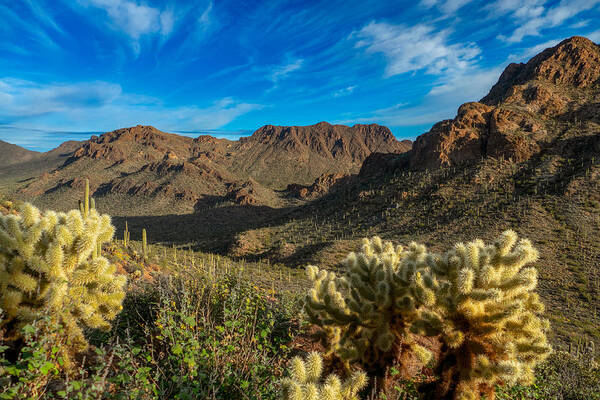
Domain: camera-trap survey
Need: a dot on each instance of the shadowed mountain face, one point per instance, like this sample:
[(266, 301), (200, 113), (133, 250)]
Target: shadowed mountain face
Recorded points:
[(162, 170), (529, 108)]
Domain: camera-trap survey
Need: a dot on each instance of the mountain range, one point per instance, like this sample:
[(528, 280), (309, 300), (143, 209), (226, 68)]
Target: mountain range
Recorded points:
[(186, 174), (526, 156)]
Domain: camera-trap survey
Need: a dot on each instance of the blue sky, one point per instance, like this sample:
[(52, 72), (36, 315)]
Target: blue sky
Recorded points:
[(70, 68)]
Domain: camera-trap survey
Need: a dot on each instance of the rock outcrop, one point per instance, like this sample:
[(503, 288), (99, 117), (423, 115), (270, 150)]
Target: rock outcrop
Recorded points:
[(521, 111)]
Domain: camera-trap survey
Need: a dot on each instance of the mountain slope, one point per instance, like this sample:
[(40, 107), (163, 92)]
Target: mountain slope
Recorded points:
[(525, 158), (273, 154)]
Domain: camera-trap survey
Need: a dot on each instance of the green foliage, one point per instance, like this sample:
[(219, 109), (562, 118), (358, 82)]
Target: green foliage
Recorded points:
[(38, 361), (367, 313), (220, 338), (47, 267), (196, 336), (305, 383)]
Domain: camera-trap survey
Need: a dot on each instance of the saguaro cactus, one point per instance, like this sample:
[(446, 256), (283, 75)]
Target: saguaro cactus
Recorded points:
[(126, 236), (367, 313), (305, 383), (144, 244), (46, 266), (487, 315)]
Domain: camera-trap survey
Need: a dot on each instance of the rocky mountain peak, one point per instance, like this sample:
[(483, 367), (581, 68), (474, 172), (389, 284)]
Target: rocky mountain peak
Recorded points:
[(520, 114), (573, 62)]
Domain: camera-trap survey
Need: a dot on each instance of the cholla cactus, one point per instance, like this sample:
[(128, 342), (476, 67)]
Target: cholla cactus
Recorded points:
[(46, 266), (488, 316), (304, 382), (367, 313)]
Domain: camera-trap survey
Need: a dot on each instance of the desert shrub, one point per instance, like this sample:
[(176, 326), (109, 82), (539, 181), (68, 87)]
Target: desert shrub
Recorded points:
[(49, 265), (200, 336), (26, 372), (35, 370), (221, 338)]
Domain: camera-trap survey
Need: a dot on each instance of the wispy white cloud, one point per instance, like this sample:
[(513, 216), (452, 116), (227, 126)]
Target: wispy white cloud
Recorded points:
[(446, 6), (441, 102), (594, 36), (24, 99), (534, 50), (218, 114), (520, 9), (43, 15), (103, 106), (581, 24), (414, 48), (470, 84), (533, 17), (344, 91), (35, 29), (167, 21), (200, 23), (205, 18), (133, 18), (279, 72)]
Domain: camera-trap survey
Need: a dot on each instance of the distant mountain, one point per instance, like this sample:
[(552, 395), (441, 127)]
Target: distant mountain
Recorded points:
[(13, 154), (167, 170), (279, 155)]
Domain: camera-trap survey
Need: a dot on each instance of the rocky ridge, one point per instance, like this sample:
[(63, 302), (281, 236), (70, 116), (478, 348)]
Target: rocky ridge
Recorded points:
[(522, 112)]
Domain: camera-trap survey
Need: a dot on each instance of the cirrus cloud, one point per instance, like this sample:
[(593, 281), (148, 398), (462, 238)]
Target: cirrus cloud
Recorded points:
[(414, 48)]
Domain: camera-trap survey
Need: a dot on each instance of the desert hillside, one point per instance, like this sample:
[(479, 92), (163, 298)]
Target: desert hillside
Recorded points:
[(212, 237)]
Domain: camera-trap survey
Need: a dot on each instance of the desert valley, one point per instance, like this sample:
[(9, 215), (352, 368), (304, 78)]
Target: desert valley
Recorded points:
[(205, 287)]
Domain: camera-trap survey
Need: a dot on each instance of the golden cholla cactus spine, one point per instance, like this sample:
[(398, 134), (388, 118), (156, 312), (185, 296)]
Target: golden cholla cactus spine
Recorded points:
[(46, 266), (305, 382), (488, 315), (367, 312)]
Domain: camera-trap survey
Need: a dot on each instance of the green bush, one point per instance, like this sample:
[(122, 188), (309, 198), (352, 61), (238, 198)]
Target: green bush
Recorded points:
[(192, 338), (220, 339)]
